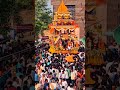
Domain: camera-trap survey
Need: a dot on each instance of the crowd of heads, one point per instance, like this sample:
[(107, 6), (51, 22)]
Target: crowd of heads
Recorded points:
[(53, 72), (21, 75), (17, 67), (105, 76), (12, 47), (9, 45)]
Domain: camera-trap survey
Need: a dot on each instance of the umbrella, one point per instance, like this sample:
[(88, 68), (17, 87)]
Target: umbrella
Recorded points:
[(116, 35), (69, 58)]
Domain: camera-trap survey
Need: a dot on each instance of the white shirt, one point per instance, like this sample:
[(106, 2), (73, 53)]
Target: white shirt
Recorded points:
[(49, 57), (60, 75), (1, 36), (53, 85), (15, 84), (64, 83), (73, 75), (69, 88), (63, 76), (108, 65), (57, 72), (69, 47), (53, 69), (66, 75)]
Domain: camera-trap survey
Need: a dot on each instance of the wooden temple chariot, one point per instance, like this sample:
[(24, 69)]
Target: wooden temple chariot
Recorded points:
[(63, 38)]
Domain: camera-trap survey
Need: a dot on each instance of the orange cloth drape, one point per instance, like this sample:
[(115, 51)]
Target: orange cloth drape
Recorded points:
[(69, 58), (52, 30)]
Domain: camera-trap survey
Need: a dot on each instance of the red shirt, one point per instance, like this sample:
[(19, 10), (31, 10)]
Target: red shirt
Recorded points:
[(80, 74)]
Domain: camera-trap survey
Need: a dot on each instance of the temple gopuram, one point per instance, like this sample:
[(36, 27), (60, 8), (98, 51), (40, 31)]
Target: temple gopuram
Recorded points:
[(63, 32)]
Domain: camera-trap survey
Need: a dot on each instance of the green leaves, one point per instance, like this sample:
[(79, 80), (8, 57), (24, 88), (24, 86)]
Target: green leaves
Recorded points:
[(25, 4), (42, 16), (11, 8), (9, 12)]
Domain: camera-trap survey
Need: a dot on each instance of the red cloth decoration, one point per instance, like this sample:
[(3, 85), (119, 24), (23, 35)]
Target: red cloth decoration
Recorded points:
[(73, 22)]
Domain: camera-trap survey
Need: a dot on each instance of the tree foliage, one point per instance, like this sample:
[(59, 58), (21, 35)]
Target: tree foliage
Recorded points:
[(9, 10), (42, 16)]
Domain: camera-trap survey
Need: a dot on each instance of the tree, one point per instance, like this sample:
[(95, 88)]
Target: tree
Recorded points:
[(11, 8), (42, 16), (10, 12)]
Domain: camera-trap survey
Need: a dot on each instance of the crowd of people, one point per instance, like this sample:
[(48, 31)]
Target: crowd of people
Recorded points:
[(17, 66), (10, 45), (47, 71), (21, 73), (104, 74), (13, 48), (21, 76), (53, 72)]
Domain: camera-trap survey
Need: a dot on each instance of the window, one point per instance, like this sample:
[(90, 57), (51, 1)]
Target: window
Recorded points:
[(72, 10)]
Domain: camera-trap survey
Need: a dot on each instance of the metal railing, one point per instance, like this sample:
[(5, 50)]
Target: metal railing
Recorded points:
[(16, 53), (5, 76)]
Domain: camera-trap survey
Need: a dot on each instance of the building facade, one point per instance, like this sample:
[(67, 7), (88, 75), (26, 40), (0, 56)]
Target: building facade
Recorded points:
[(113, 15), (76, 7), (95, 16)]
